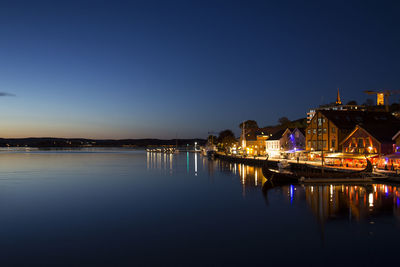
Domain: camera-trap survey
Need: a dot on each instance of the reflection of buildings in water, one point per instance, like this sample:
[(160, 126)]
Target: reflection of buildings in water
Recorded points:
[(162, 161), (195, 164), (343, 201), (355, 202), (187, 162), (250, 177), (210, 166)]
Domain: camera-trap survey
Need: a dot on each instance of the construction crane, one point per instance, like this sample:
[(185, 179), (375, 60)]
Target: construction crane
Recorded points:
[(382, 97)]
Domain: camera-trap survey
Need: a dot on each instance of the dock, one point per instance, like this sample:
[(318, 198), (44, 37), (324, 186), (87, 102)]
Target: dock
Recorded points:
[(261, 162)]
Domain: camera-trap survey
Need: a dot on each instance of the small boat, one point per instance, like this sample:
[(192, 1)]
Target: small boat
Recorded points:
[(311, 172), (209, 151), (281, 176)]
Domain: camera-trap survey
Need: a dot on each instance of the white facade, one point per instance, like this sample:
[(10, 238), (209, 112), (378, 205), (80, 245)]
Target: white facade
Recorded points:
[(273, 148)]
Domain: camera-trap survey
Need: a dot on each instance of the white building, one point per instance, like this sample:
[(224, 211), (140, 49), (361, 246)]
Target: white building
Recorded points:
[(273, 145)]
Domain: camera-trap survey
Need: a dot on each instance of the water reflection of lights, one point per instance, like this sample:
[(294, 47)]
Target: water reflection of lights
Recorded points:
[(291, 193), (187, 162), (332, 201), (371, 199), (195, 164), (159, 161), (243, 174), (250, 176), (353, 202)]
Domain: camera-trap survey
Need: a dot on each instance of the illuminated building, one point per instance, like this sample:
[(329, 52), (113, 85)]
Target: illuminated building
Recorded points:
[(329, 128), (285, 141), (293, 139), (380, 99), (253, 142), (371, 139), (273, 145)]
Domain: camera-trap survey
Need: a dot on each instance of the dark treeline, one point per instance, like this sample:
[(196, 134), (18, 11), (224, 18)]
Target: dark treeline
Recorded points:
[(81, 142)]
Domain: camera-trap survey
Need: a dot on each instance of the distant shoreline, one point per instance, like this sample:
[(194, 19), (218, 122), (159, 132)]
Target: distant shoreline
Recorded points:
[(49, 142)]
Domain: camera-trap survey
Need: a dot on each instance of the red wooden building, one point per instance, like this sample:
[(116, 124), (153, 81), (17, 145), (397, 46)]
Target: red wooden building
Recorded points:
[(372, 139)]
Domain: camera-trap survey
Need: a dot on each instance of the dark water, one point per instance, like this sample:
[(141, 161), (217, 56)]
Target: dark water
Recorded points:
[(131, 208)]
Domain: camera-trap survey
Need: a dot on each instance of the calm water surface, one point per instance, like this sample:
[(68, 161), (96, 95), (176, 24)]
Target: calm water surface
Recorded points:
[(125, 208)]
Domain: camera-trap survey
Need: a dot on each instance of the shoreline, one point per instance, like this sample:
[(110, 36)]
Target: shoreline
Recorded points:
[(380, 176)]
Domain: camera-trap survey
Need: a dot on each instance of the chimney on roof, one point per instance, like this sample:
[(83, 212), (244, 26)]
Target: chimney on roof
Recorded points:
[(338, 102)]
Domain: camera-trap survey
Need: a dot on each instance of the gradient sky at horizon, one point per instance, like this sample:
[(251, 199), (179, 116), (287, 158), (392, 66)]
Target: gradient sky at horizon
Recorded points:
[(166, 69)]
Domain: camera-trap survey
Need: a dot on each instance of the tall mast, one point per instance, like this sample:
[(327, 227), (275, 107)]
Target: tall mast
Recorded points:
[(322, 143), (244, 135)]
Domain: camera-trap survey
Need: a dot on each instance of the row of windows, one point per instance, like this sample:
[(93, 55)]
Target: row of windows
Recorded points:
[(274, 145), (313, 144), (360, 142), (324, 130)]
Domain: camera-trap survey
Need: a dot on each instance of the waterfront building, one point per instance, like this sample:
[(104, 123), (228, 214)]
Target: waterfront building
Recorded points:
[(371, 139), (273, 146), (329, 128), (260, 148), (253, 142), (293, 140), (287, 141)]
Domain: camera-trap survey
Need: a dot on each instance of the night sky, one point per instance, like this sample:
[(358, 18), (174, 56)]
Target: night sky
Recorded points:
[(166, 69)]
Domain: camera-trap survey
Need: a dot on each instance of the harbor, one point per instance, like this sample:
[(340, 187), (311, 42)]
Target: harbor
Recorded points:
[(310, 172)]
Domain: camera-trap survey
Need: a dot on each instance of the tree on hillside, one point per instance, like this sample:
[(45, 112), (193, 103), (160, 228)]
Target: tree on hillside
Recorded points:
[(249, 124), (226, 139), (300, 123), (227, 142), (352, 102), (283, 121), (225, 133)]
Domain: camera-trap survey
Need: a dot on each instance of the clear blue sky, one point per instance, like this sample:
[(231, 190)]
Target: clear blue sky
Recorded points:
[(133, 69)]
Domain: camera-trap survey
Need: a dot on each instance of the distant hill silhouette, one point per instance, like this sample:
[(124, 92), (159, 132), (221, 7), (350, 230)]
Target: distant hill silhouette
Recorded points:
[(82, 142)]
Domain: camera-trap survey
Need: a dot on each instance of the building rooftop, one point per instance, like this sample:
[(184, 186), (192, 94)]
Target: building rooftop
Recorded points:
[(277, 135), (349, 119)]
